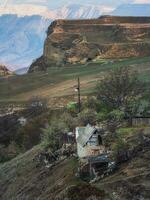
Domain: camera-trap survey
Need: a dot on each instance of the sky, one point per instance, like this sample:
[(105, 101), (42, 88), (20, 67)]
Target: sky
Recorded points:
[(58, 3), (47, 8)]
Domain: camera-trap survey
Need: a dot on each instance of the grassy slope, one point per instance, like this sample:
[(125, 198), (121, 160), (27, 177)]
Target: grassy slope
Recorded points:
[(132, 179), (60, 82), (22, 178)]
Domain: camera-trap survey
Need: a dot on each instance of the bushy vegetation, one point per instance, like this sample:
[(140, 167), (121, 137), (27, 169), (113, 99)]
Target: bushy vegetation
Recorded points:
[(120, 150), (30, 134), (52, 135), (87, 116), (120, 88), (122, 93), (8, 152), (118, 97), (17, 137)]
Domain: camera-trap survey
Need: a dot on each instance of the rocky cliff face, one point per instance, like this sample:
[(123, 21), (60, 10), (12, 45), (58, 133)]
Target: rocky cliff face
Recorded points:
[(80, 41), (4, 71)]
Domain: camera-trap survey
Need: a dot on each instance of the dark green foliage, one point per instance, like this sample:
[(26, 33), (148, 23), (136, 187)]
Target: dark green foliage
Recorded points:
[(120, 150), (87, 116), (9, 152), (91, 103), (52, 135), (121, 90), (72, 107), (71, 121), (30, 134), (8, 127)]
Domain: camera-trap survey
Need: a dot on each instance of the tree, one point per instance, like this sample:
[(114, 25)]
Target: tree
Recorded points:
[(120, 88), (52, 135), (70, 121), (29, 135), (120, 150), (87, 116)]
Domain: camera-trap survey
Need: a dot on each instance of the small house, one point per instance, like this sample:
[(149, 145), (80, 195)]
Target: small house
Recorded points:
[(89, 141)]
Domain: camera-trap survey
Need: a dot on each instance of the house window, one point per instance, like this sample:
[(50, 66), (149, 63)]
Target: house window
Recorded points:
[(92, 143)]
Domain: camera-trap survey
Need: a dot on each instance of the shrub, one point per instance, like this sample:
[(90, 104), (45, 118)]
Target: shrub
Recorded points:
[(72, 107), (120, 88), (9, 152), (52, 135), (116, 115), (91, 103), (102, 116), (120, 150), (70, 121), (30, 134), (87, 116)]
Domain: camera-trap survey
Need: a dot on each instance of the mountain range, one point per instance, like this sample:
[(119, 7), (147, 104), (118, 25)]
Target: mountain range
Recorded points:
[(23, 29), (67, 11), (23, 34), (21, 39)]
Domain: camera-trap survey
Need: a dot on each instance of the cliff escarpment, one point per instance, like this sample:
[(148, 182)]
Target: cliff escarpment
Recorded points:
[(80, 41), (4, 71)]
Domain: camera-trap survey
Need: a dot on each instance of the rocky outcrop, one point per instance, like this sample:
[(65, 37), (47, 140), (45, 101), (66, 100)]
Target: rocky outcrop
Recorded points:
[(80, 41), (4, 71)]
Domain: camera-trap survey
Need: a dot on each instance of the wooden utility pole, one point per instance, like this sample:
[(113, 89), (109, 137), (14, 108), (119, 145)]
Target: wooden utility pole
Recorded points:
[(79, 95)]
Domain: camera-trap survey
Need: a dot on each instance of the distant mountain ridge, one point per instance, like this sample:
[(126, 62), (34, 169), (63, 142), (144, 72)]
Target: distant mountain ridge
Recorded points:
[(21, 39), (132, 10), (21, 71), (69, 11)]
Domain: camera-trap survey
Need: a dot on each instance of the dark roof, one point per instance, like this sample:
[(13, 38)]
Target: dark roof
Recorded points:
[(100, 158)]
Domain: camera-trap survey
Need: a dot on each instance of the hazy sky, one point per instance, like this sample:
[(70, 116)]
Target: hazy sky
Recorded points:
[(58, 3)]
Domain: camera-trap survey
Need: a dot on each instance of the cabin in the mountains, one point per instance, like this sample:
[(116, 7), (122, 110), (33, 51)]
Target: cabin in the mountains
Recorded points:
[(89, 142)]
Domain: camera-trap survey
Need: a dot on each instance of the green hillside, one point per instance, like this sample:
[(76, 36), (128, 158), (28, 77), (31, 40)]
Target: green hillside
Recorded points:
[(60, 82)]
